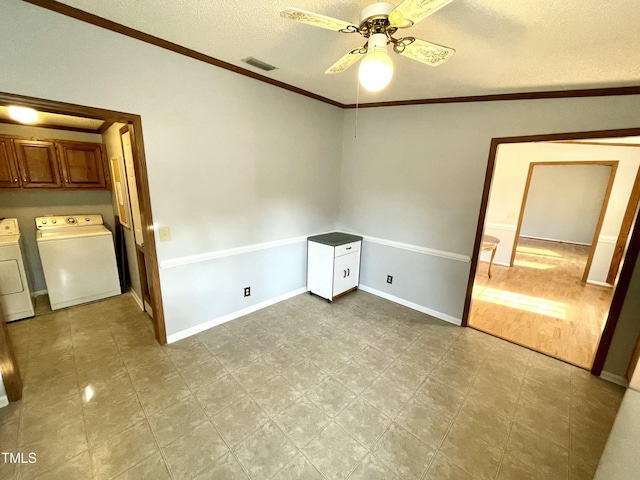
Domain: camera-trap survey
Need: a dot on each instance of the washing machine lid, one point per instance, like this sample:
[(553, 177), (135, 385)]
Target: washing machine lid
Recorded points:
[(66, 233), (9, 231)]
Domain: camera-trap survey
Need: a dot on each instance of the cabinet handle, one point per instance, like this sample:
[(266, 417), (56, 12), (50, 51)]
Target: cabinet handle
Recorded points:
[(348, 272), (344, 273), (15, 180), (348, 248)]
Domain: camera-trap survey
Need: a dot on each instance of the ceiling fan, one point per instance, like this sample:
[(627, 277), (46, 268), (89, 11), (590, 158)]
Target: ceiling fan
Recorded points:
[(378, 23)]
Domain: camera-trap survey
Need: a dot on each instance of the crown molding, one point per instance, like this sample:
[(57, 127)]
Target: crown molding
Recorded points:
[(101, 22)]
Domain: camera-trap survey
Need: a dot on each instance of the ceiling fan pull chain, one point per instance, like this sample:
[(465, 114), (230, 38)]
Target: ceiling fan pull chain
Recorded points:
[(355, 131)]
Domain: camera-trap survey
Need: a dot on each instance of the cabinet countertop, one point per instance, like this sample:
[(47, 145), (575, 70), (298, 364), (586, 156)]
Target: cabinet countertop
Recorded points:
[(334, 239)]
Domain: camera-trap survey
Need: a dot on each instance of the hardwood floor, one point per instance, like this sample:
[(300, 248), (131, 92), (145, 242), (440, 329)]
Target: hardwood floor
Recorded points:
[(540, 303)]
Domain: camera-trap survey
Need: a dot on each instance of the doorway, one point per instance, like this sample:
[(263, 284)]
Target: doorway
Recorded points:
[(514, 308), (133, 124)]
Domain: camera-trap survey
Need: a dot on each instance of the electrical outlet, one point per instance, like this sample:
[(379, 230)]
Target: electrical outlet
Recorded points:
[(247, 291), (389, 279)]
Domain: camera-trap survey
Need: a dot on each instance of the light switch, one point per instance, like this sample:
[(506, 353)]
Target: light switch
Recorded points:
[(165, 234)]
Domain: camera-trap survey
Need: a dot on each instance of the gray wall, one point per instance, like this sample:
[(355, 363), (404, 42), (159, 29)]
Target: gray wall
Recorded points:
[(564, 202), (232, 162), (26, 205)]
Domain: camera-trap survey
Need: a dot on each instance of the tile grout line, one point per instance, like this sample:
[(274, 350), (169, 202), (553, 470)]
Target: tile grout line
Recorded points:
[(144, 411)]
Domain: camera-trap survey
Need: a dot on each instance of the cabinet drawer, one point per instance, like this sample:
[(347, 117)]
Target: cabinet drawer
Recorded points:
[(347, 248)]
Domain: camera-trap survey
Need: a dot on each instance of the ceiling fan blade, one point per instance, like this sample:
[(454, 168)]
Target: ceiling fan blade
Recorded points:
[(411, 12), (318, 20), (345, 62), (425, 52)]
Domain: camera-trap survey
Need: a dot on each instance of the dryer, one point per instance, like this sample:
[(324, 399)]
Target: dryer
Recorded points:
[(15, 295), (78, 259)]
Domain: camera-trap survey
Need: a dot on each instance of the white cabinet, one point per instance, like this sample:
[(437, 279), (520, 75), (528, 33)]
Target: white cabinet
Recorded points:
[(333, 264)]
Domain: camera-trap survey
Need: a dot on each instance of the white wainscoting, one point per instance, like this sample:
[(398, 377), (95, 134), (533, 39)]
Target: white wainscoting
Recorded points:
[(174, 265)]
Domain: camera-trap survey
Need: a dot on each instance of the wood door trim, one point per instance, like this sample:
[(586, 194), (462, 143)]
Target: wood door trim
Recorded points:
[(102, 22), (629, 261), (612, 163), (9, 365), (603, 211), (603, 144), (140, 161), (625, 228), (635, 359)]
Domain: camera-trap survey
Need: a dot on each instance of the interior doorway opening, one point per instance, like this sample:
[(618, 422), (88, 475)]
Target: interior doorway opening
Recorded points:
[(544, 318), (126, 131)]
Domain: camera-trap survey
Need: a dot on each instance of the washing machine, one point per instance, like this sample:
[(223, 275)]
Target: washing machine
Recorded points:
[(15, 296), (78, 259)]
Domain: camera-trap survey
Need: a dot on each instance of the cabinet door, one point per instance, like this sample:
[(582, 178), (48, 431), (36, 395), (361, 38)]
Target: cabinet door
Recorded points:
[(8, 166), (345, 273), (38, 164), (83, 164)]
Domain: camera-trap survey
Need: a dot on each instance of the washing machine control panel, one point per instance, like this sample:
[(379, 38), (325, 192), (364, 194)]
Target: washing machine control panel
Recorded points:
[(67, 221), (9, 226)]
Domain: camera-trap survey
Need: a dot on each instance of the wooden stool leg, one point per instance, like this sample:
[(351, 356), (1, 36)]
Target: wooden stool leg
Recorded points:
[(493, 254)]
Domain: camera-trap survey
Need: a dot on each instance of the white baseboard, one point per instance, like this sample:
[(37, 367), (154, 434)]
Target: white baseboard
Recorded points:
[(39, 292), (600, 284), (617, 379), (231, 316), (137, 299), (502, 264), (414, 306), (557, 240), (4, 401)]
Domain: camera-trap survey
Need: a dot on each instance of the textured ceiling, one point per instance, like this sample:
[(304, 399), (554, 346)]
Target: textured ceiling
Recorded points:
[(502, 46)]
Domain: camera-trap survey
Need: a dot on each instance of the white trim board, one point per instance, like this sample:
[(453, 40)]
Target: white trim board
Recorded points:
[(136, 298), (556, 240), (229, 252), (4, 401), (232, 316), (600, 284), (415, 248), (501, 226), (203, 257), (413, 306), (617, 379)]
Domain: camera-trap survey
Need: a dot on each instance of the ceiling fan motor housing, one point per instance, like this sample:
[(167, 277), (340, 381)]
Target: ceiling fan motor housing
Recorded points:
[(376, 11)]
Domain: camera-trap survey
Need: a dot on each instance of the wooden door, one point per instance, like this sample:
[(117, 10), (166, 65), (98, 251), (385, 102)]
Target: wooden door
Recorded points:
[(8, 165), (38, 164), (83, 164)]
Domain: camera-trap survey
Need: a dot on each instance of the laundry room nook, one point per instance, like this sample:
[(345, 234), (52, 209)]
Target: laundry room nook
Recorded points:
[(67, 234)]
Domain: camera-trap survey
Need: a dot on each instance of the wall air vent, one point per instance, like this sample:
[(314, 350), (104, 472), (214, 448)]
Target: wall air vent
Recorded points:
[(254, 62)]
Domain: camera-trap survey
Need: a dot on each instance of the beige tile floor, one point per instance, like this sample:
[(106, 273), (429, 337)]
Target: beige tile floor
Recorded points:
[(358, 389)]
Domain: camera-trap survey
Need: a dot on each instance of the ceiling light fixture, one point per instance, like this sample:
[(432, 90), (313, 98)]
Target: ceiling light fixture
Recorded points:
[(376, 68), (23, 114)]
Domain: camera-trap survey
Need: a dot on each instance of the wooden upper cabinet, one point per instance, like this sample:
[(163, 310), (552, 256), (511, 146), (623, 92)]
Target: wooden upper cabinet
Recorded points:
[(82, 164), (38, 164), (8, 166)]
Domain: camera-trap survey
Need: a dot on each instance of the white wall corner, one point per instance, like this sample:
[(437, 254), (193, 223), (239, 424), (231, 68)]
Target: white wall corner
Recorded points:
[(414, 306)]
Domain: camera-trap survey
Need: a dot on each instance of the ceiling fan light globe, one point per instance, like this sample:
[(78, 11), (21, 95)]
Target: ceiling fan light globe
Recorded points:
[(376, 71)]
